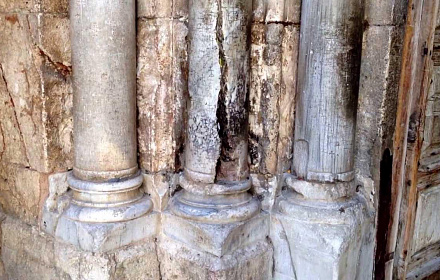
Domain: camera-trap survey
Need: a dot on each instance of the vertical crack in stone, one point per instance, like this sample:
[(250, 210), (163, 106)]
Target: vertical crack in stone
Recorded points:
[(15, 115), (3, 142), (156, 250), (221, 103)]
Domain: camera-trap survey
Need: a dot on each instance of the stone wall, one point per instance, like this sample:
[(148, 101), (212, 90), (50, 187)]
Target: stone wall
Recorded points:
[(36, 120)]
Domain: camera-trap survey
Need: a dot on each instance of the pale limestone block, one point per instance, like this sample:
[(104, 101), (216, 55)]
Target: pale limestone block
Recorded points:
[(159, 187), (138, 262), (265, 90), (55, 6), (29, 254), (183, 262), (20, 61), (259, 8), (105, 237), (12, 147), (57, 187), (287, 97), (324, 239), (57, 85), (162, 8), (162, 88), (266, 188), (292, 11), (275, 11), (217, 239), (37, 92), (55, 41), (22, 191), (19, 6)]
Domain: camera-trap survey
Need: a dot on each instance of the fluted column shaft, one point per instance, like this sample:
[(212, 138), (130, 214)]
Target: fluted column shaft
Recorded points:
[(329, 61)]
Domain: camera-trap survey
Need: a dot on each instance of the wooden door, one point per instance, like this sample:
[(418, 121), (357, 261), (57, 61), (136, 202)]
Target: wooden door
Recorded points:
[(414, 229)]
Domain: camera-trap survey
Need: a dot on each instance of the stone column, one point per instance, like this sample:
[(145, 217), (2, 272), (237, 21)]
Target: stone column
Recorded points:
[(105, 182), (320, 212), (214, 214)]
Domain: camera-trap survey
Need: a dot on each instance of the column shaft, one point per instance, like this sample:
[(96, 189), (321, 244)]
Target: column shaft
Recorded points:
[(218, 85), (104, 71), (329, 61), (215, 205), (105, 179)]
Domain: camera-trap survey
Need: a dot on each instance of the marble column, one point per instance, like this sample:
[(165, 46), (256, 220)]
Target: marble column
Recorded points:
[(215, 214), (105, 181), (320, 211)]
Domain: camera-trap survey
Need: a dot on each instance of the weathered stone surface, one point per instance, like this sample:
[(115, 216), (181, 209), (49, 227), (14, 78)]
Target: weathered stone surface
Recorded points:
[(377, 97), (162, 8), (30, 254), (292, 11), (275, 11), (20, 62), (182, 262), (160, 187), (162, 90), (36, 89), (325, 239), (390, 12), (274, 53), (55, 7), (289, 64), (216, 239), (26, 6), (22, 191), (267, 188)]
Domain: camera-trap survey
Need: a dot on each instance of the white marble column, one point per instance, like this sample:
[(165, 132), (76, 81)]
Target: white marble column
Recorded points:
[(215, 214)]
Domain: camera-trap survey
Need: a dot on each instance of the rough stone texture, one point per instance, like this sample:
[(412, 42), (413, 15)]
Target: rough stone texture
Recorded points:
[(162, 9), (182, 262), (22, 192), (162, 90), (377, 103), (324, 238), (274, 53), (37, 80), (30, 254)]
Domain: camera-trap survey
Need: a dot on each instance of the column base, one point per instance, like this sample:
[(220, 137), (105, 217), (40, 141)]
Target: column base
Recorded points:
[(215, 237), (101, 227), (180, 261), (103, 237), (324, 237)]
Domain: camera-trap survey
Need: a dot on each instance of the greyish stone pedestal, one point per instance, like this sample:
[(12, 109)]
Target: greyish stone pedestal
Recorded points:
[(324, 238), (216, 230)]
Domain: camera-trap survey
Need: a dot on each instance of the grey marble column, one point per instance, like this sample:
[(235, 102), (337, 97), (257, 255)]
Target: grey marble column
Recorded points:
[(328, 82), (323, 218), (107, 208), (105, 172), (215, 208), (216, 168)]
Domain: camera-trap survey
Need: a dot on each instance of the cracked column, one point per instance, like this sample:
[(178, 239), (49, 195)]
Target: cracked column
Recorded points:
[(214, 225), (107, 208), (321, 213)]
